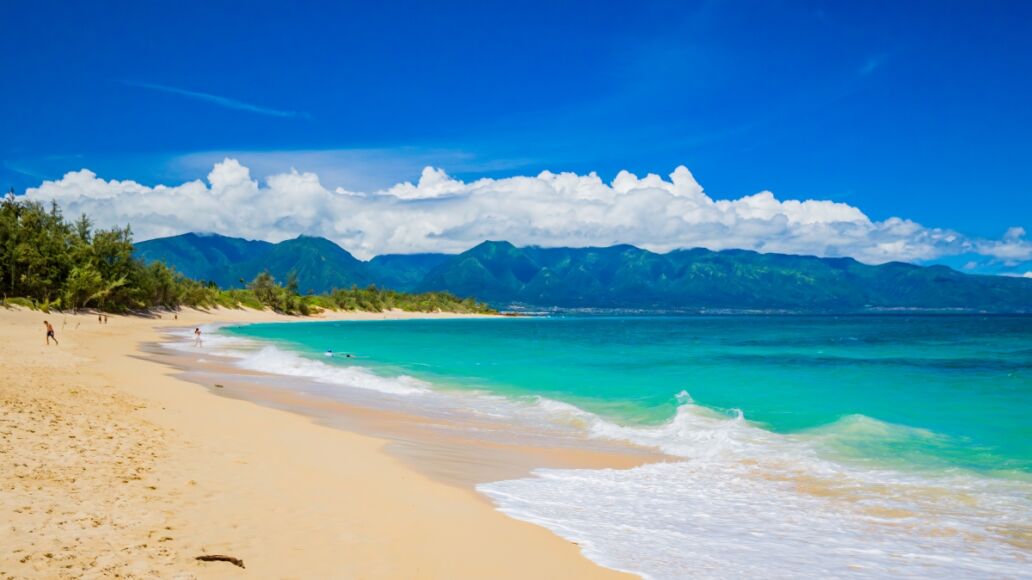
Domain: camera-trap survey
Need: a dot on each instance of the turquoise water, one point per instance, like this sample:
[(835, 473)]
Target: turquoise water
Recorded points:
[(927, 392), (861, 446)]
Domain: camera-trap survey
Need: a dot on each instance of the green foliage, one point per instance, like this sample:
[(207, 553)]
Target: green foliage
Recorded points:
[(318, 264), (628, 277), (373, 299), (48, 263), (17, 301), (83, 285), (264, 288)]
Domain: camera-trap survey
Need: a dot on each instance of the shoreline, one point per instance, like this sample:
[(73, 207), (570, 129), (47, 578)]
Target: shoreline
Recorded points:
[(591, 506), (443, 449), (159, 472)]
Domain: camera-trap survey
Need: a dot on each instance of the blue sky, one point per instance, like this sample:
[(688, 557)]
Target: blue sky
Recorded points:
[(911, 109)]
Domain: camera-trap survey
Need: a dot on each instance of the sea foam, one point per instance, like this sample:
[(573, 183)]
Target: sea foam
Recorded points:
[(251, 355), (737, 500), (746, 502), (271, 359)]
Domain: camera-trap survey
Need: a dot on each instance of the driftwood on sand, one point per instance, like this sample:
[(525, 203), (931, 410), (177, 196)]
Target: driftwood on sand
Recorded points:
[(218, 558)]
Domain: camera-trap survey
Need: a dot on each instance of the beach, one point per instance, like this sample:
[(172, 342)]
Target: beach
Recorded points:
[(745, 446), (459, 447), (113, 466)]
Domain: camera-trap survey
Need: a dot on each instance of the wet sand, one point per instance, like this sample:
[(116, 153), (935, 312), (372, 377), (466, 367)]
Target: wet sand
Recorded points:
[(457, 454), (115, 466)]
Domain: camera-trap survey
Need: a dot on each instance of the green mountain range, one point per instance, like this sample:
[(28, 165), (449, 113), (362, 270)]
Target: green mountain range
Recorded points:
[(615, 277), (232, 262)]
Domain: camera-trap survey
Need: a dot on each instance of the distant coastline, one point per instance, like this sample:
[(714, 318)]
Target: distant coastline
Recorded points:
[(617, 277)]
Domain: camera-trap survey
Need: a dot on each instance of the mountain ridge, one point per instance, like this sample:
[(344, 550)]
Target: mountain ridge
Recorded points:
[(619, 276)]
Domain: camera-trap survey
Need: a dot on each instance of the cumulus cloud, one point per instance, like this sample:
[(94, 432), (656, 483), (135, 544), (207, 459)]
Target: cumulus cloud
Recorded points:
[(441, 214), (1011, 250)]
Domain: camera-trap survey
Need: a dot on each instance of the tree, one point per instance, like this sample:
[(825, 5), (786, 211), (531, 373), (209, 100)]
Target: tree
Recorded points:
[(83, 286), (50, 261), (264, 288), (36, 251), (113, 252), (292, 283)]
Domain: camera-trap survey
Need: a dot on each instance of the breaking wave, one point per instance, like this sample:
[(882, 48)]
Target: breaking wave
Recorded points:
[(736, 499)]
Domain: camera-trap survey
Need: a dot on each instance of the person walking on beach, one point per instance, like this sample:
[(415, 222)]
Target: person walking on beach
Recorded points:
[(50, 332), (197, 337)]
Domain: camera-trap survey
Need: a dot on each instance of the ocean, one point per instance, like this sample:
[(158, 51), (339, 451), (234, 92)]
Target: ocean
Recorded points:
[(848, 446)]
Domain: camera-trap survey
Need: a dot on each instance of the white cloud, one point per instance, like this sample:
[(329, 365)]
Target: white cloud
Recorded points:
[(1011, 250), (432, 183), (439, 213)]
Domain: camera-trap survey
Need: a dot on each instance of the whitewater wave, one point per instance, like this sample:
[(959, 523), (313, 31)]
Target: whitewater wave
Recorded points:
[(271, 359), (255, 356), (739, 500), (744, 501)]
